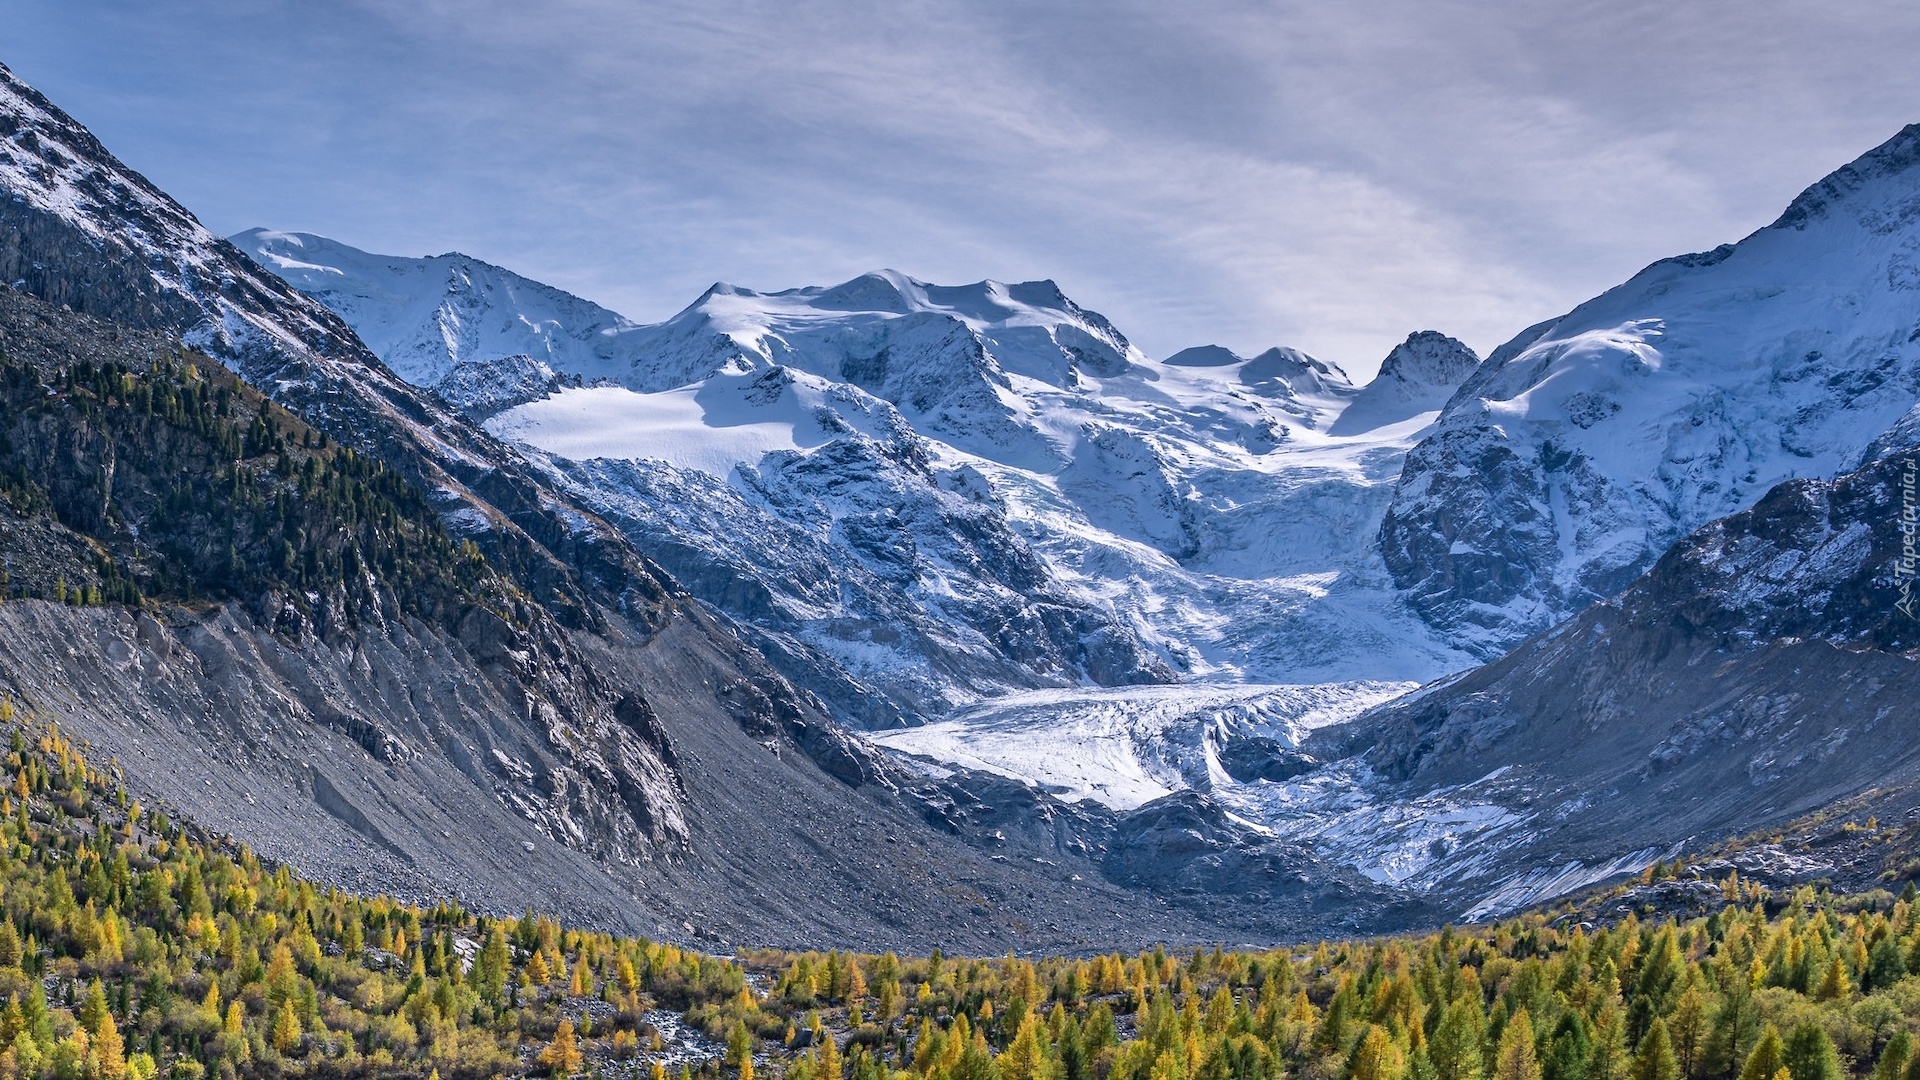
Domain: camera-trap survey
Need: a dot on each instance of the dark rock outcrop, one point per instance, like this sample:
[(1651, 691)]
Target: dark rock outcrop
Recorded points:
[(1763, 669)]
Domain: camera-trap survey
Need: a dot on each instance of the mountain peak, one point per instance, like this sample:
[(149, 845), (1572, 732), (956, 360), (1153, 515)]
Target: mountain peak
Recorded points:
[(1417, 377), (1205, 356), (1429, 358), (1679, 396), (427, 316), (889, 291), (1279, 371), (723, 288), (1303, 371)]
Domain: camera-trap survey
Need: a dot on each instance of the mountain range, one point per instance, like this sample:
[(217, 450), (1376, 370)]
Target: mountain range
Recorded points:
[(1094, 646), (936, 495)]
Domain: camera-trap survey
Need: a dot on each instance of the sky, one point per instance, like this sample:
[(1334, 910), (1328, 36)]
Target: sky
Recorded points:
[(1326, 176)]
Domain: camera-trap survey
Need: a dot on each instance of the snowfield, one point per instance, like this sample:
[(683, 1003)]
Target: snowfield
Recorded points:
[(583, 423)]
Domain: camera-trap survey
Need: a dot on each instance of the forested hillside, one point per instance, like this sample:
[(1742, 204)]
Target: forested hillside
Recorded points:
[(184, 483), (134, 946)]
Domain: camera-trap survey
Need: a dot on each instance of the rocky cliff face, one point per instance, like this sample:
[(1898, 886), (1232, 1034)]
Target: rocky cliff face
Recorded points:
[(1418, 376), (1589, 444), (1762, 669), (299, 581)]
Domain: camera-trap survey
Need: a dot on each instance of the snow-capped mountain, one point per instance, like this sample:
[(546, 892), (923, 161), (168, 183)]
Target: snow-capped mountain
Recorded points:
[(426, 316), (1586, 446), (817, 459), (948, 493), (1224, 512), (500, 745)]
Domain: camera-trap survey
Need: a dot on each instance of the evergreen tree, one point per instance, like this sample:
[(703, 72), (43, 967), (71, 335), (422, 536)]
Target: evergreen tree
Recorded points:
[(1735, 1029), (94, 1013), (1420, 1065), (1811, 1055), (740, 1049), (1072, 1053), (1568, 1048), (1834, 984), (1689, 1031), (1893, 1057), (1769, 1056), (1609, 1058), (976, 1061), (1655, 1060), (286, 1029), (1515, 1060), (490, 968), (1886, 964), (1025, 1058), (1458, 1046), (831, 1065), (1375, 1057)]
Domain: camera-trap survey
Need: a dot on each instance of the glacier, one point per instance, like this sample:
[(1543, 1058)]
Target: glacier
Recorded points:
[(986, 528), (945, 494), (976, 520)]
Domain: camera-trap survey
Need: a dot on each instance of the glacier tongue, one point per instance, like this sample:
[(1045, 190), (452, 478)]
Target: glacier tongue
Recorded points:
[(1126, 747)]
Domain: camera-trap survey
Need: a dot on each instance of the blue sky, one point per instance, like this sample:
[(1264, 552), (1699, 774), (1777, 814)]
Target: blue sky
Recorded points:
[(1328, 176)]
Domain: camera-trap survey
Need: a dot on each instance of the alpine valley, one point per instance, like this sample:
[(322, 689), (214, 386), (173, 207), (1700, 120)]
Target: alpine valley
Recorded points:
[(888, 614)]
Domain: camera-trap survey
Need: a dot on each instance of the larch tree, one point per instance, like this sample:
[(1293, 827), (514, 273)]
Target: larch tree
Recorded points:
[(1811, 1055), (1655, 1060), (1515, 1059), (562, 1056), (1769, 1056), (1025, 1058), (1458, 1044)]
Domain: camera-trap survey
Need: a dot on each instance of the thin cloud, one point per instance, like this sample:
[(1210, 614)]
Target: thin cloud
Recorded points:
[(1328, 176)]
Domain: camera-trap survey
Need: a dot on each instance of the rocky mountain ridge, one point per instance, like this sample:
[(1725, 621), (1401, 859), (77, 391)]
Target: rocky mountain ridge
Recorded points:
[(274, 587)]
